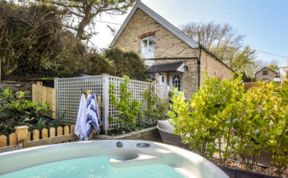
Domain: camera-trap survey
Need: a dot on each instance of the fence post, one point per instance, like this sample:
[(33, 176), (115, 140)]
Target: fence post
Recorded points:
[(22, 135), (56, 115), (105, 103)]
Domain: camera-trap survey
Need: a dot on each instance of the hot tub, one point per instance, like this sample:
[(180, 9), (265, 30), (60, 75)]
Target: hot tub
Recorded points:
[(107, 159)]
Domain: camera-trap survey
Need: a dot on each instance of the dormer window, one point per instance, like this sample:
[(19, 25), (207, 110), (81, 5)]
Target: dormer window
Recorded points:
[(148, 47)]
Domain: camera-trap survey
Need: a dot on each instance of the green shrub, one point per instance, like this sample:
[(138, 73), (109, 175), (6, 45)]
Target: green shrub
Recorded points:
[(129, 111), (222, 118), (256, 114), (279, 136), (208, 118), (126, 63), (16, 110), (156, 109), (34, 43)]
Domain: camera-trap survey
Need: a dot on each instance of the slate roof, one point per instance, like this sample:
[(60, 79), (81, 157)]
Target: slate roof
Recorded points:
[(165, 67), (267, 68)]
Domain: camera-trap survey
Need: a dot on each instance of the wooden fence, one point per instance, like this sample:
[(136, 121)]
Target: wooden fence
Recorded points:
[(22, 138), (42, 95)]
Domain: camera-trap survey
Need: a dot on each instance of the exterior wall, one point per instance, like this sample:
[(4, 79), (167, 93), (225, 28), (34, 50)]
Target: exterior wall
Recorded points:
[(167, 44), (189, 78), (269, 77), (213, 67)]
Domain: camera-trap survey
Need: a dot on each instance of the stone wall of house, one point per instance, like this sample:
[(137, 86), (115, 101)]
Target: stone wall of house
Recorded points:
[(213, 67), (167, 44), (190, 78)]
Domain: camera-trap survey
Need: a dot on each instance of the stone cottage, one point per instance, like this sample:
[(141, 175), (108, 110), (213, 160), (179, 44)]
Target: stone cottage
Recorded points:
[(174, 59)]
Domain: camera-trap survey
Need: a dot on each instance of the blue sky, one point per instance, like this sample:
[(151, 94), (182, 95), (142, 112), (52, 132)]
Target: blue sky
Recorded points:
[(263, 22)]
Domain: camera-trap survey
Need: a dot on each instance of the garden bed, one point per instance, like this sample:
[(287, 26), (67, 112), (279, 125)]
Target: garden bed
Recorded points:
[(236, 169), (150, 134)]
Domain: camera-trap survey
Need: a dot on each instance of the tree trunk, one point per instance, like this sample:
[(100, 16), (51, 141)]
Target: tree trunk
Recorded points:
[(84, 22)]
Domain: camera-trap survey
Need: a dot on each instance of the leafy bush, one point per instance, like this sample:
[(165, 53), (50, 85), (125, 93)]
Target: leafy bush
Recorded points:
[(279, 140), (34, 42), (156, 109), (222, 118), (96, 64), (129, 111), (256, 114), (126, 63), (134, 114), (212, 117), (16, 110)]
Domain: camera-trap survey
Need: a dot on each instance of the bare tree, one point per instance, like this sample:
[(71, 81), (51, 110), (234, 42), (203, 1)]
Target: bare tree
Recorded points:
[(212, 35), (81, 13), (224, 42)]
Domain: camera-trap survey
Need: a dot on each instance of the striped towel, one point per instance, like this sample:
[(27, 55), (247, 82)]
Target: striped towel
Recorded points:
[(92, 114)]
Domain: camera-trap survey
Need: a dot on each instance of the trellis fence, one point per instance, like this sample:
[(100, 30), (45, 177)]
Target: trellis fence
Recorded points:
[(69, 90), (23, 138)]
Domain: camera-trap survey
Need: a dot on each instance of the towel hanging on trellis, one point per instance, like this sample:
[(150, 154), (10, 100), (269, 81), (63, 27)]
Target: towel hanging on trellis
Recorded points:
[(87, 117)]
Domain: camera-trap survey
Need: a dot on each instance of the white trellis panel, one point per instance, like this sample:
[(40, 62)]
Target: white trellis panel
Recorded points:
[(68, 95), (137, 89), (69, 91)]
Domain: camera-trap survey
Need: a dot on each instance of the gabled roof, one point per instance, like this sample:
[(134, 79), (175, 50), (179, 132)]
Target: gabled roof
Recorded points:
[(267, 68), (166, 67), (174, 30)]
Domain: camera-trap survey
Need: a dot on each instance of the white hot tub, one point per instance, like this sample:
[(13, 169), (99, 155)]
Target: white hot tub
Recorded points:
[(107, 159)]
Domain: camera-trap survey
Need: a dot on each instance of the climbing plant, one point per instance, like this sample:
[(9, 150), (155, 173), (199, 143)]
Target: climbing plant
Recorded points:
[(156, 108), (129, 110)]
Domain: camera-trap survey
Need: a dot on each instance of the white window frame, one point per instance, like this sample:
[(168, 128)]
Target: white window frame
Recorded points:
[(147, 49)]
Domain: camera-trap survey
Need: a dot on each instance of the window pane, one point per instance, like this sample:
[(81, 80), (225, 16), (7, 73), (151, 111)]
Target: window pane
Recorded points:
[(151, 41), (145, 42), (177, 82), (148, 47)]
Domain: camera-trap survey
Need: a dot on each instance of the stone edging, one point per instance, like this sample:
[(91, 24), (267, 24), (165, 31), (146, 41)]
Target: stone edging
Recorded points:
[(145, 134)]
